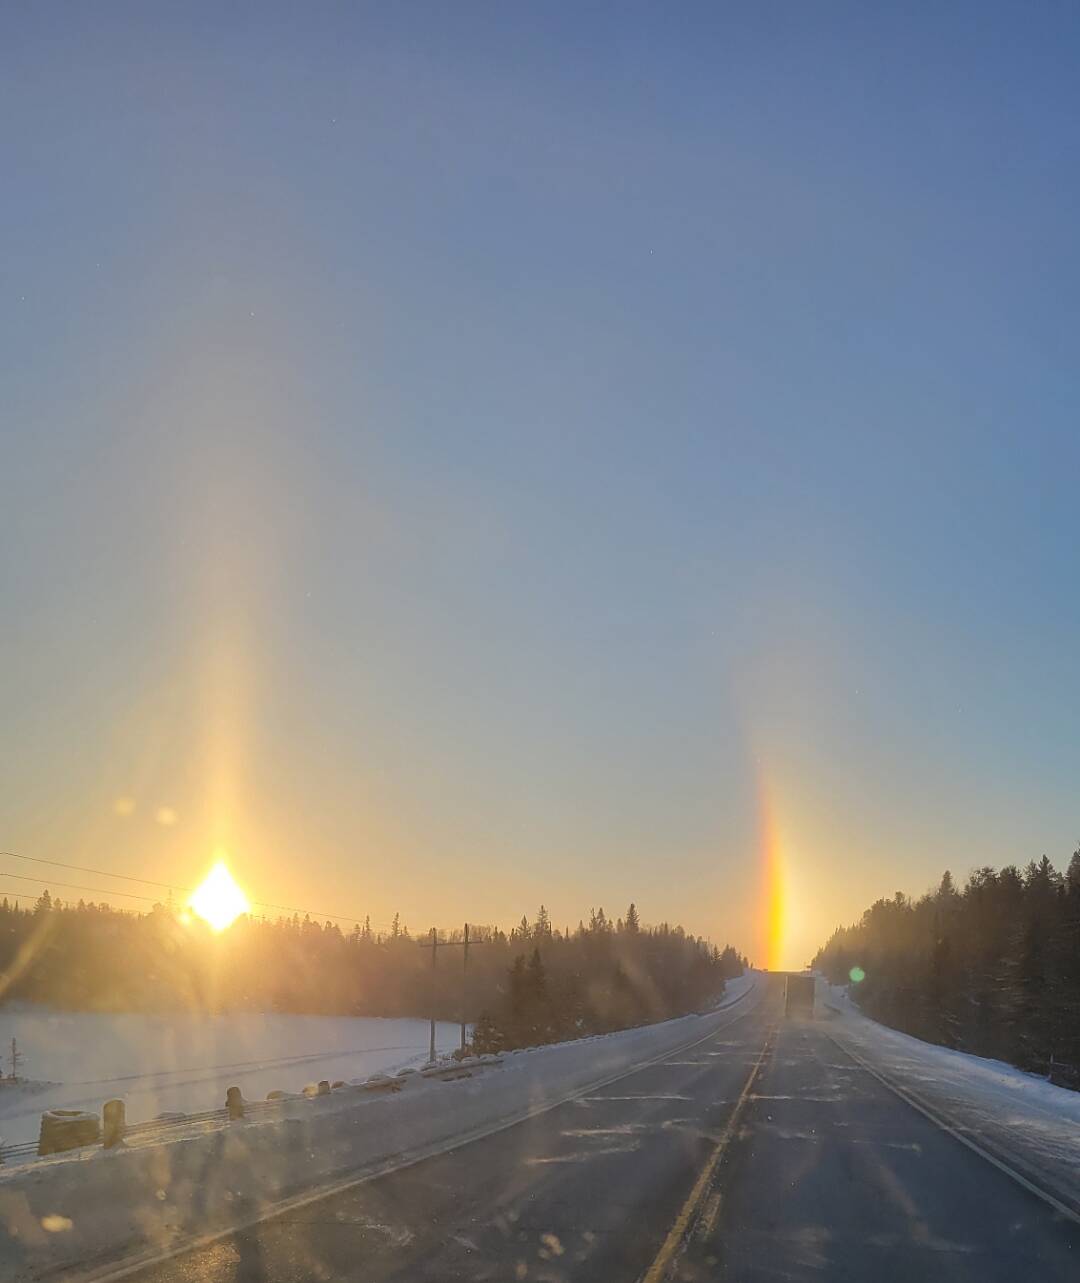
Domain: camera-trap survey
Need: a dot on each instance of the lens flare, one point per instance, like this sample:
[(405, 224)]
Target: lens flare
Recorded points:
[(218, 900)]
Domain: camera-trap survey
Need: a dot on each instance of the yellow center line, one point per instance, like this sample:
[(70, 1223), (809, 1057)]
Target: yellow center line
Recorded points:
[(707, 1223), (678, 1232)]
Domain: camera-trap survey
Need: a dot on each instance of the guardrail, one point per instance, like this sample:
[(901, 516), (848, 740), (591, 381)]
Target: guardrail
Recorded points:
[(157, 1130)]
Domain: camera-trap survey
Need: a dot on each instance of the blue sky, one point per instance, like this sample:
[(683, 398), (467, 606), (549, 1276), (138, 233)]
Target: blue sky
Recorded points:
[(458, 456)]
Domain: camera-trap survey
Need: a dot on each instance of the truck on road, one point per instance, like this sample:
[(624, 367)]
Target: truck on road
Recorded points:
[(799, 996)]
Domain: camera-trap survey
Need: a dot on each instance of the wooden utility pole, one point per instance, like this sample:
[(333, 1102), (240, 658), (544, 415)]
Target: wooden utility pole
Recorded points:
[(464, 986), (434, 947), (435, 944)]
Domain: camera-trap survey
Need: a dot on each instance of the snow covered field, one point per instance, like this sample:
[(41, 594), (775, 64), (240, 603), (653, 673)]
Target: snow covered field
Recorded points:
[(1017, 1116), (184, 1063)]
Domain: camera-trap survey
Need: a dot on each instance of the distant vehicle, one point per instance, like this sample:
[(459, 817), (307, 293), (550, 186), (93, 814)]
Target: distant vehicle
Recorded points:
[(799, 998)]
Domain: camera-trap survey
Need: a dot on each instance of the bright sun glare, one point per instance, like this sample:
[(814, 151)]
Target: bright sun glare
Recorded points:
[(218, 900)]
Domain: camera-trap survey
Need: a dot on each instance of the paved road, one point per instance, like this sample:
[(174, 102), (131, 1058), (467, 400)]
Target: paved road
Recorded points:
[(763, 1154)]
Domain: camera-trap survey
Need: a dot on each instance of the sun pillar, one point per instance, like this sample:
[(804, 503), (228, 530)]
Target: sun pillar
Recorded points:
[(773, 907)]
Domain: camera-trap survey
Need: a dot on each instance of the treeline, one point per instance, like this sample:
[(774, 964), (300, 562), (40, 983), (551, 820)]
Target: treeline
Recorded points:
[(602, 975), (606, 976), (992, 969)]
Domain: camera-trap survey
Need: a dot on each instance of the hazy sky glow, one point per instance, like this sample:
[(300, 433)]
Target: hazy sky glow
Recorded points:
[(463, 456)]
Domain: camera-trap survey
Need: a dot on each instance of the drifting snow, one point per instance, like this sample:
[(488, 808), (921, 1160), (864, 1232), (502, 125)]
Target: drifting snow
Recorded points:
[(146, 1198), (184, 1063), (1017, 1116)]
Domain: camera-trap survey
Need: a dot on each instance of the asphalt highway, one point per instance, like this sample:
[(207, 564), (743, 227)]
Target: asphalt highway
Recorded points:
[(763, 1154)]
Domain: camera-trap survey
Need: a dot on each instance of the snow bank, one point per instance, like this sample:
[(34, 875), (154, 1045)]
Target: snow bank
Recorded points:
[(145, 1199), (183, 1063), (1020, 1118), (734, 989)]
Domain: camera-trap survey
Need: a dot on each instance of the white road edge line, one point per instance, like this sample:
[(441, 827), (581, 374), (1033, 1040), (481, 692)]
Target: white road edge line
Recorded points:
[(113, 1272), (909, 1098)]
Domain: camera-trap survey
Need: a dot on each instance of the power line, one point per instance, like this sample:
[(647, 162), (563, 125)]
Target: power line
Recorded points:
[(72, 886), (18, 895), (103, 873), (314, 913), (165, 886)]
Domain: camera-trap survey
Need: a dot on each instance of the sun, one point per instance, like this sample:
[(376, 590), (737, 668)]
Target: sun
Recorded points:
[(218, 900)]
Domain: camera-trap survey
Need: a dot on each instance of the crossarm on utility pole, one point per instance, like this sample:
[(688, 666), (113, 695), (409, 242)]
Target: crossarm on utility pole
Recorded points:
[(435, 944)]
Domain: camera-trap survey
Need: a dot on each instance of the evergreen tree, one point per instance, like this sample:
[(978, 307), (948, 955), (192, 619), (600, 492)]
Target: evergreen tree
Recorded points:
[(993, 969), (542, 926), (486, 1038), (93, 957)]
